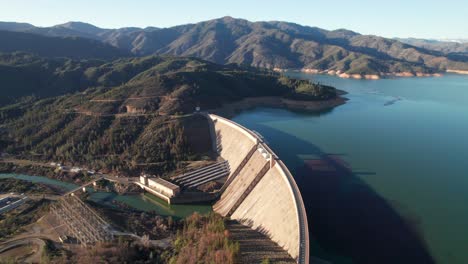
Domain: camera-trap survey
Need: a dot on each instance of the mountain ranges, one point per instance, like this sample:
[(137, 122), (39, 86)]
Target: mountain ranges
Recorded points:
[(272, 45)]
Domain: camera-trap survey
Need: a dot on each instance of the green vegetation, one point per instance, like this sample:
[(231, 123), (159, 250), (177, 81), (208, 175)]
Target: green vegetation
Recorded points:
[(150, 224), (122, 251), (49, 252), (46, 171), (204, 239), (199, 239), (25, 76), (71, 47), (306, 90), (12, 222), (20, 186), (137, 117)]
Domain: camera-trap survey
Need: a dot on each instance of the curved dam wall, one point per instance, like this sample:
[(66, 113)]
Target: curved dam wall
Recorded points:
[(260, 192), (232, 143)]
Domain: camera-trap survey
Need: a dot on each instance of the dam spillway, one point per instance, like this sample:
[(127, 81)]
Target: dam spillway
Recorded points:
[(260, 192)]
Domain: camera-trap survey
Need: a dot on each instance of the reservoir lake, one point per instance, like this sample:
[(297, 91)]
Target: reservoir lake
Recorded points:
[(384, 177)]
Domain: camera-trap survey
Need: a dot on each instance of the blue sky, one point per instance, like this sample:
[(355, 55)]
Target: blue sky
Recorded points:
[(395, 18)]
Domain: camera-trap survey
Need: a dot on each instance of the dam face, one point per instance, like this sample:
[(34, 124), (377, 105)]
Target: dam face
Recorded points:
[(260, 192)]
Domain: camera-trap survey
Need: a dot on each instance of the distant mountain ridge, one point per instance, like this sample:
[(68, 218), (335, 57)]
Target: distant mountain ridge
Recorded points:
[(271, 45), (70, 47), (447, 46), (14, 26)]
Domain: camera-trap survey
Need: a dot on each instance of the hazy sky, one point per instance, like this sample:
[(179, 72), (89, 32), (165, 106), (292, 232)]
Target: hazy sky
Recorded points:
[(394, 18)]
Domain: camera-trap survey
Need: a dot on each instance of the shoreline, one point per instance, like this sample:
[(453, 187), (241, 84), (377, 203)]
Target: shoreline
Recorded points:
[(458, 72), (378, 76), (35, 168), (231, 109)]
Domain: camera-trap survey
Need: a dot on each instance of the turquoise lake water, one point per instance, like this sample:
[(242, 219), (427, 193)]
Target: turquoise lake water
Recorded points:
[(385, 176)]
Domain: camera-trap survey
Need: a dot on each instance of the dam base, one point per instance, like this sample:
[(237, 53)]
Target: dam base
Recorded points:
[(255, 247)]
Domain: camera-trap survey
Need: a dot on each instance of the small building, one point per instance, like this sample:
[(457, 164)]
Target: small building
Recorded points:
[(167, 188), (63, 239), (75, 169), (159, 187), (144, 179)]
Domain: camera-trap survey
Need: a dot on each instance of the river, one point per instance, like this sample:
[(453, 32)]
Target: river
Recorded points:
[(142, 202), (385, 176)]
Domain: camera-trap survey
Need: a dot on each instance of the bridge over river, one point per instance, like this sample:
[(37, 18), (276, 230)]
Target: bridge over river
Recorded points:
[(123, 180)]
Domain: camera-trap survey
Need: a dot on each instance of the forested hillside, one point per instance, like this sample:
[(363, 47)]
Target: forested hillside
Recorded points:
[(132, 114), (70, 47)]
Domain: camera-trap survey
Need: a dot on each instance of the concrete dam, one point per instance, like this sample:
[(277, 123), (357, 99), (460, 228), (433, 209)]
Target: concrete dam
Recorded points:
[(260, 192)]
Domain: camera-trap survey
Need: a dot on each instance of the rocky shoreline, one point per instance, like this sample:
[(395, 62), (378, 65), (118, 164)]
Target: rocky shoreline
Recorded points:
[(231, 109), (379, 76), (457, 72)]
